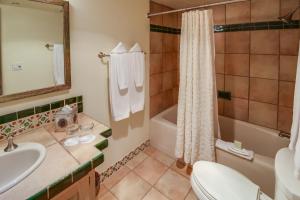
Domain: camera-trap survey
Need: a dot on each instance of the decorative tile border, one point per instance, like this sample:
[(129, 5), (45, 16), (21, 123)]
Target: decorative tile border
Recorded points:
[(111, 170), (235, 27), (37, 116)]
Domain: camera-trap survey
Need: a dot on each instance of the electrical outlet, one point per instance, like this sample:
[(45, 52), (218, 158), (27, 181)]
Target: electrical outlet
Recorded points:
[(16, 67)]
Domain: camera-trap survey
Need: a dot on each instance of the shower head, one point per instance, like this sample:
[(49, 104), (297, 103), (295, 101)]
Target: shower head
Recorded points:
[(288, 17)]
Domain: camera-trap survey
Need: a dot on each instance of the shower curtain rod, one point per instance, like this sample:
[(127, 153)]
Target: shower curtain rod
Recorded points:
[(194, 8)]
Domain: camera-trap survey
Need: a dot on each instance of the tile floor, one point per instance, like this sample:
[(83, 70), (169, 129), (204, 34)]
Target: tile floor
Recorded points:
[(152, 175)]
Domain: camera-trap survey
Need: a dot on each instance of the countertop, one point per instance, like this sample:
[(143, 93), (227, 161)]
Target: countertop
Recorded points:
[(60, 162)]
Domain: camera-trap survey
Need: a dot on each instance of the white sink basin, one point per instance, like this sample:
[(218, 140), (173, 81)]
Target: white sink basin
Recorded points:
[(16, 165)]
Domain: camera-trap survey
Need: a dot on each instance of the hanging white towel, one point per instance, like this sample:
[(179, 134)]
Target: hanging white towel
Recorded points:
[(136, 83), (58, 64), (118, 83), (197, 122), (295, 130)]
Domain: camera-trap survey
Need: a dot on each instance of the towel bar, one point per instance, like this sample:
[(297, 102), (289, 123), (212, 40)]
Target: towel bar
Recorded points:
[(103, 55)]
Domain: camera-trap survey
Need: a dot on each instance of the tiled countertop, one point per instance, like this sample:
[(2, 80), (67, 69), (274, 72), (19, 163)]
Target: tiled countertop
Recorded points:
[(62, 166)]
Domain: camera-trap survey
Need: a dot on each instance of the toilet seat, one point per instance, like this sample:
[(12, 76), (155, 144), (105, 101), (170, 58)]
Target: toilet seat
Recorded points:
[(213, 181)]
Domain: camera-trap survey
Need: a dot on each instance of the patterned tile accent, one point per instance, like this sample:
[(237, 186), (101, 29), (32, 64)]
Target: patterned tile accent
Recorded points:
[(37, 116), (108, 172), (235, 27)]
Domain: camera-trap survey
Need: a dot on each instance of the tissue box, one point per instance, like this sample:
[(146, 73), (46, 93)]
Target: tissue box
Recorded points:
[(64, 118)]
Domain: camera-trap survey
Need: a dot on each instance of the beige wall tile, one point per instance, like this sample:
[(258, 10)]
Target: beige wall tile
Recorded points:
[(237, 85), (219, 14), (287, 6), (265, 42), (237, 42), (170, 20), (286, 93), (156, 63), (238, 13), (288, 68), (289, 42), (285, 118), (264, 90), (237, 64), (220, 42), (168, 100), (170, 43), (156, 104), (170, 61), (221, 106), (156, 84), (263, 114), (264, 66), (156, 40), (219, 63), (220, 79), (167, 81), (236, 108), (154, 7), (264, 10)]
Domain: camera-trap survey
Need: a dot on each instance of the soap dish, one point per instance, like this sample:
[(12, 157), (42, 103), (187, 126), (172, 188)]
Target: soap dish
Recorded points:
[(87, 139), (73, 141)]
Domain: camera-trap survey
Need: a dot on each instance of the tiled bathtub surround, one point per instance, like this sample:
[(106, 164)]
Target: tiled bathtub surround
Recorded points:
[(164, 45), (256, 60), (257, 66), (37, 116)]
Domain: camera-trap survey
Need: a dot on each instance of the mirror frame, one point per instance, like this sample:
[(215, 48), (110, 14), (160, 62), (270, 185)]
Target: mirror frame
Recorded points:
[(66, 42)]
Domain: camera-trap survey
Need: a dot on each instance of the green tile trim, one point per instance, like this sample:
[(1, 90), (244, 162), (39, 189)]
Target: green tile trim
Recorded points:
[(102, 145), (98, 160), (8, 118), (268, 25), (79, 99), (25, 113), (60, 186), (80, 107), (107, 133), (40, 109), (70, 101), (82, 171), (41, 195), (57, 104)]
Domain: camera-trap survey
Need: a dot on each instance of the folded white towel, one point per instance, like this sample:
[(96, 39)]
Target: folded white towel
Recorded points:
[(118, 83), (230, 147), (136, 80), (58, 64), (295, 130)]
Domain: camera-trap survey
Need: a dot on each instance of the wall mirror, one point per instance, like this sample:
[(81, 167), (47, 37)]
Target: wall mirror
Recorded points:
[(35, 48)]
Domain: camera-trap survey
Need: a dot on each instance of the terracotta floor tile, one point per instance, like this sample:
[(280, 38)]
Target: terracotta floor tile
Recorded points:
[(103, 190), (108, 196), (132, 187), (154, 195), (173, 185), (150, 150), (182, 169), (116, 177), (136, 160), (151, 170), (162, 157), (191, 196)]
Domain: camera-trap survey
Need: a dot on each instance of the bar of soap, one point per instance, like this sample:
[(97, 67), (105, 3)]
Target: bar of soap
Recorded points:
[(238, 144)]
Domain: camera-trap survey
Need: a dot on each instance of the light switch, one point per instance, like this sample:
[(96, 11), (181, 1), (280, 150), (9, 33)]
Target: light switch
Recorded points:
[(16, 67)]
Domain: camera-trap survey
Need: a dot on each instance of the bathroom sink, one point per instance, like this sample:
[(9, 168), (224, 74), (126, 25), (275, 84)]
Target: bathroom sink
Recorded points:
[(18, 164)]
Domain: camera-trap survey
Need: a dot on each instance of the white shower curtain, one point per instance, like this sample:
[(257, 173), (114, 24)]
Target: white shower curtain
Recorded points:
[(197, 122)]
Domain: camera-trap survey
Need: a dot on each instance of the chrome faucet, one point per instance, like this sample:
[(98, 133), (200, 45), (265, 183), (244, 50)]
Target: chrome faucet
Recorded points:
[(10, 140)]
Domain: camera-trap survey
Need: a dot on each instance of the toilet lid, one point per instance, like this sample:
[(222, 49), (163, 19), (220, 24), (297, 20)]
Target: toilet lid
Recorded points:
[(223, 183)]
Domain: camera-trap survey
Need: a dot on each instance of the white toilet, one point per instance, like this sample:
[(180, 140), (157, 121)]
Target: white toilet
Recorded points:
[(213, 181)]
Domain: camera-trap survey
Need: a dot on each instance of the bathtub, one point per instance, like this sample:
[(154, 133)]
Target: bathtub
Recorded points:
[(263, 141)]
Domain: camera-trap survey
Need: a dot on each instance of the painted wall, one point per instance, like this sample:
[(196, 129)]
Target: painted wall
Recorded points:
[(98, 26), (164, 71), (24, 33)]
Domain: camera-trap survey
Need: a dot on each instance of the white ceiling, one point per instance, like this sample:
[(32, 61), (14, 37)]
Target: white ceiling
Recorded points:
[(185, 3)]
